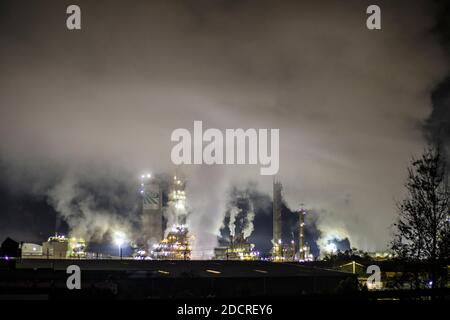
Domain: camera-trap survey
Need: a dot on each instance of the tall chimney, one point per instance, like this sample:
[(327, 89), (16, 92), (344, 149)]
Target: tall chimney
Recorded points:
[(301, 240), (277, 217)]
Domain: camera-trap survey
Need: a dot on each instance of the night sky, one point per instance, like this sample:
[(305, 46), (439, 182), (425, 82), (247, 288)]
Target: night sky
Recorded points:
[(84, 113)]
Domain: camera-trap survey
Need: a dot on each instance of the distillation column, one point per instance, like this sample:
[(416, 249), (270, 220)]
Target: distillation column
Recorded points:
[(301, 240), (277, 248)]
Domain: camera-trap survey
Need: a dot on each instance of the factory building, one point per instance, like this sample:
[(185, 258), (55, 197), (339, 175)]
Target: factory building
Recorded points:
[(76, 248), (61, 247), (235, 245), (152, 220), (30, 250), (239, 248), (176, 246), (55, 247)]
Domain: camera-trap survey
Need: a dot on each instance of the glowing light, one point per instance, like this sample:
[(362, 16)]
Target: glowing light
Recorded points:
[(213, 271), (163, 272), (260, 271), (331, 247), (119, 238), (179, 205), (146, 176)]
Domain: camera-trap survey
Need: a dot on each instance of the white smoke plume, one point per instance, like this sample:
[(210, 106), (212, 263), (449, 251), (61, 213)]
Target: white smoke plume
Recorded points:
[(248, 226), (331, 228), (208, 203), (79, 210), (233, 212)]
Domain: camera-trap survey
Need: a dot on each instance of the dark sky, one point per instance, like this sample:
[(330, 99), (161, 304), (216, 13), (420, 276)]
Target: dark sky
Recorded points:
[(84, 113)]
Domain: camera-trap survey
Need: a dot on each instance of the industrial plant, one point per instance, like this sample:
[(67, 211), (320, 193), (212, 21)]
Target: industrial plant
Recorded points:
[(161, 256), (165, 233), (162, 252)]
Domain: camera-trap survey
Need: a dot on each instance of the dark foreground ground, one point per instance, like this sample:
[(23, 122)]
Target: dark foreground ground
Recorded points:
[(156, 280), (166, 279)]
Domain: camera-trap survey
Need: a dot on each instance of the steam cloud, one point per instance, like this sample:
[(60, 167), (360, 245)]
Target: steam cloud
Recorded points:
[(349, 104)]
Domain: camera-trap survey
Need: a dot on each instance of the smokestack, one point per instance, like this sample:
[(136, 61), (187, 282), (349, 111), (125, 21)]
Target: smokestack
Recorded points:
[(57, 222), (276, 217), (301, 235)]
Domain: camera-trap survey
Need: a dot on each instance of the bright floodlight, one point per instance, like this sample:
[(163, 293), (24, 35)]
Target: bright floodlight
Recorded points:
[(119, 238), (118, 241)]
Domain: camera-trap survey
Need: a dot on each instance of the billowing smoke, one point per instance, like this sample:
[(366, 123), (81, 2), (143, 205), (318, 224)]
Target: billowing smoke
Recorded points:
[(95, 203), (92, 200), (232, 213), (78, 210), (248, 227), (207, 198), (349, 104), (240, 214), (437, 126), (170, 216), (333, 241), (250, 213), (331, 229)]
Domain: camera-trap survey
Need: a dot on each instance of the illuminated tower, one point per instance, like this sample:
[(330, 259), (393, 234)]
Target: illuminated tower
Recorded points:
[(151, 210), (276, 220), (177, 200), (301, 235)]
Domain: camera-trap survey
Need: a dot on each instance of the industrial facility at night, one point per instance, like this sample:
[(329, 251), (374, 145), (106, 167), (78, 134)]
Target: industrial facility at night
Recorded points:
[(162, 254), (160, 263), (165, 233), (236, 151)]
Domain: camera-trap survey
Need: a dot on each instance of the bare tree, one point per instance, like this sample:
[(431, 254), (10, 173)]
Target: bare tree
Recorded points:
[(422, 232)]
